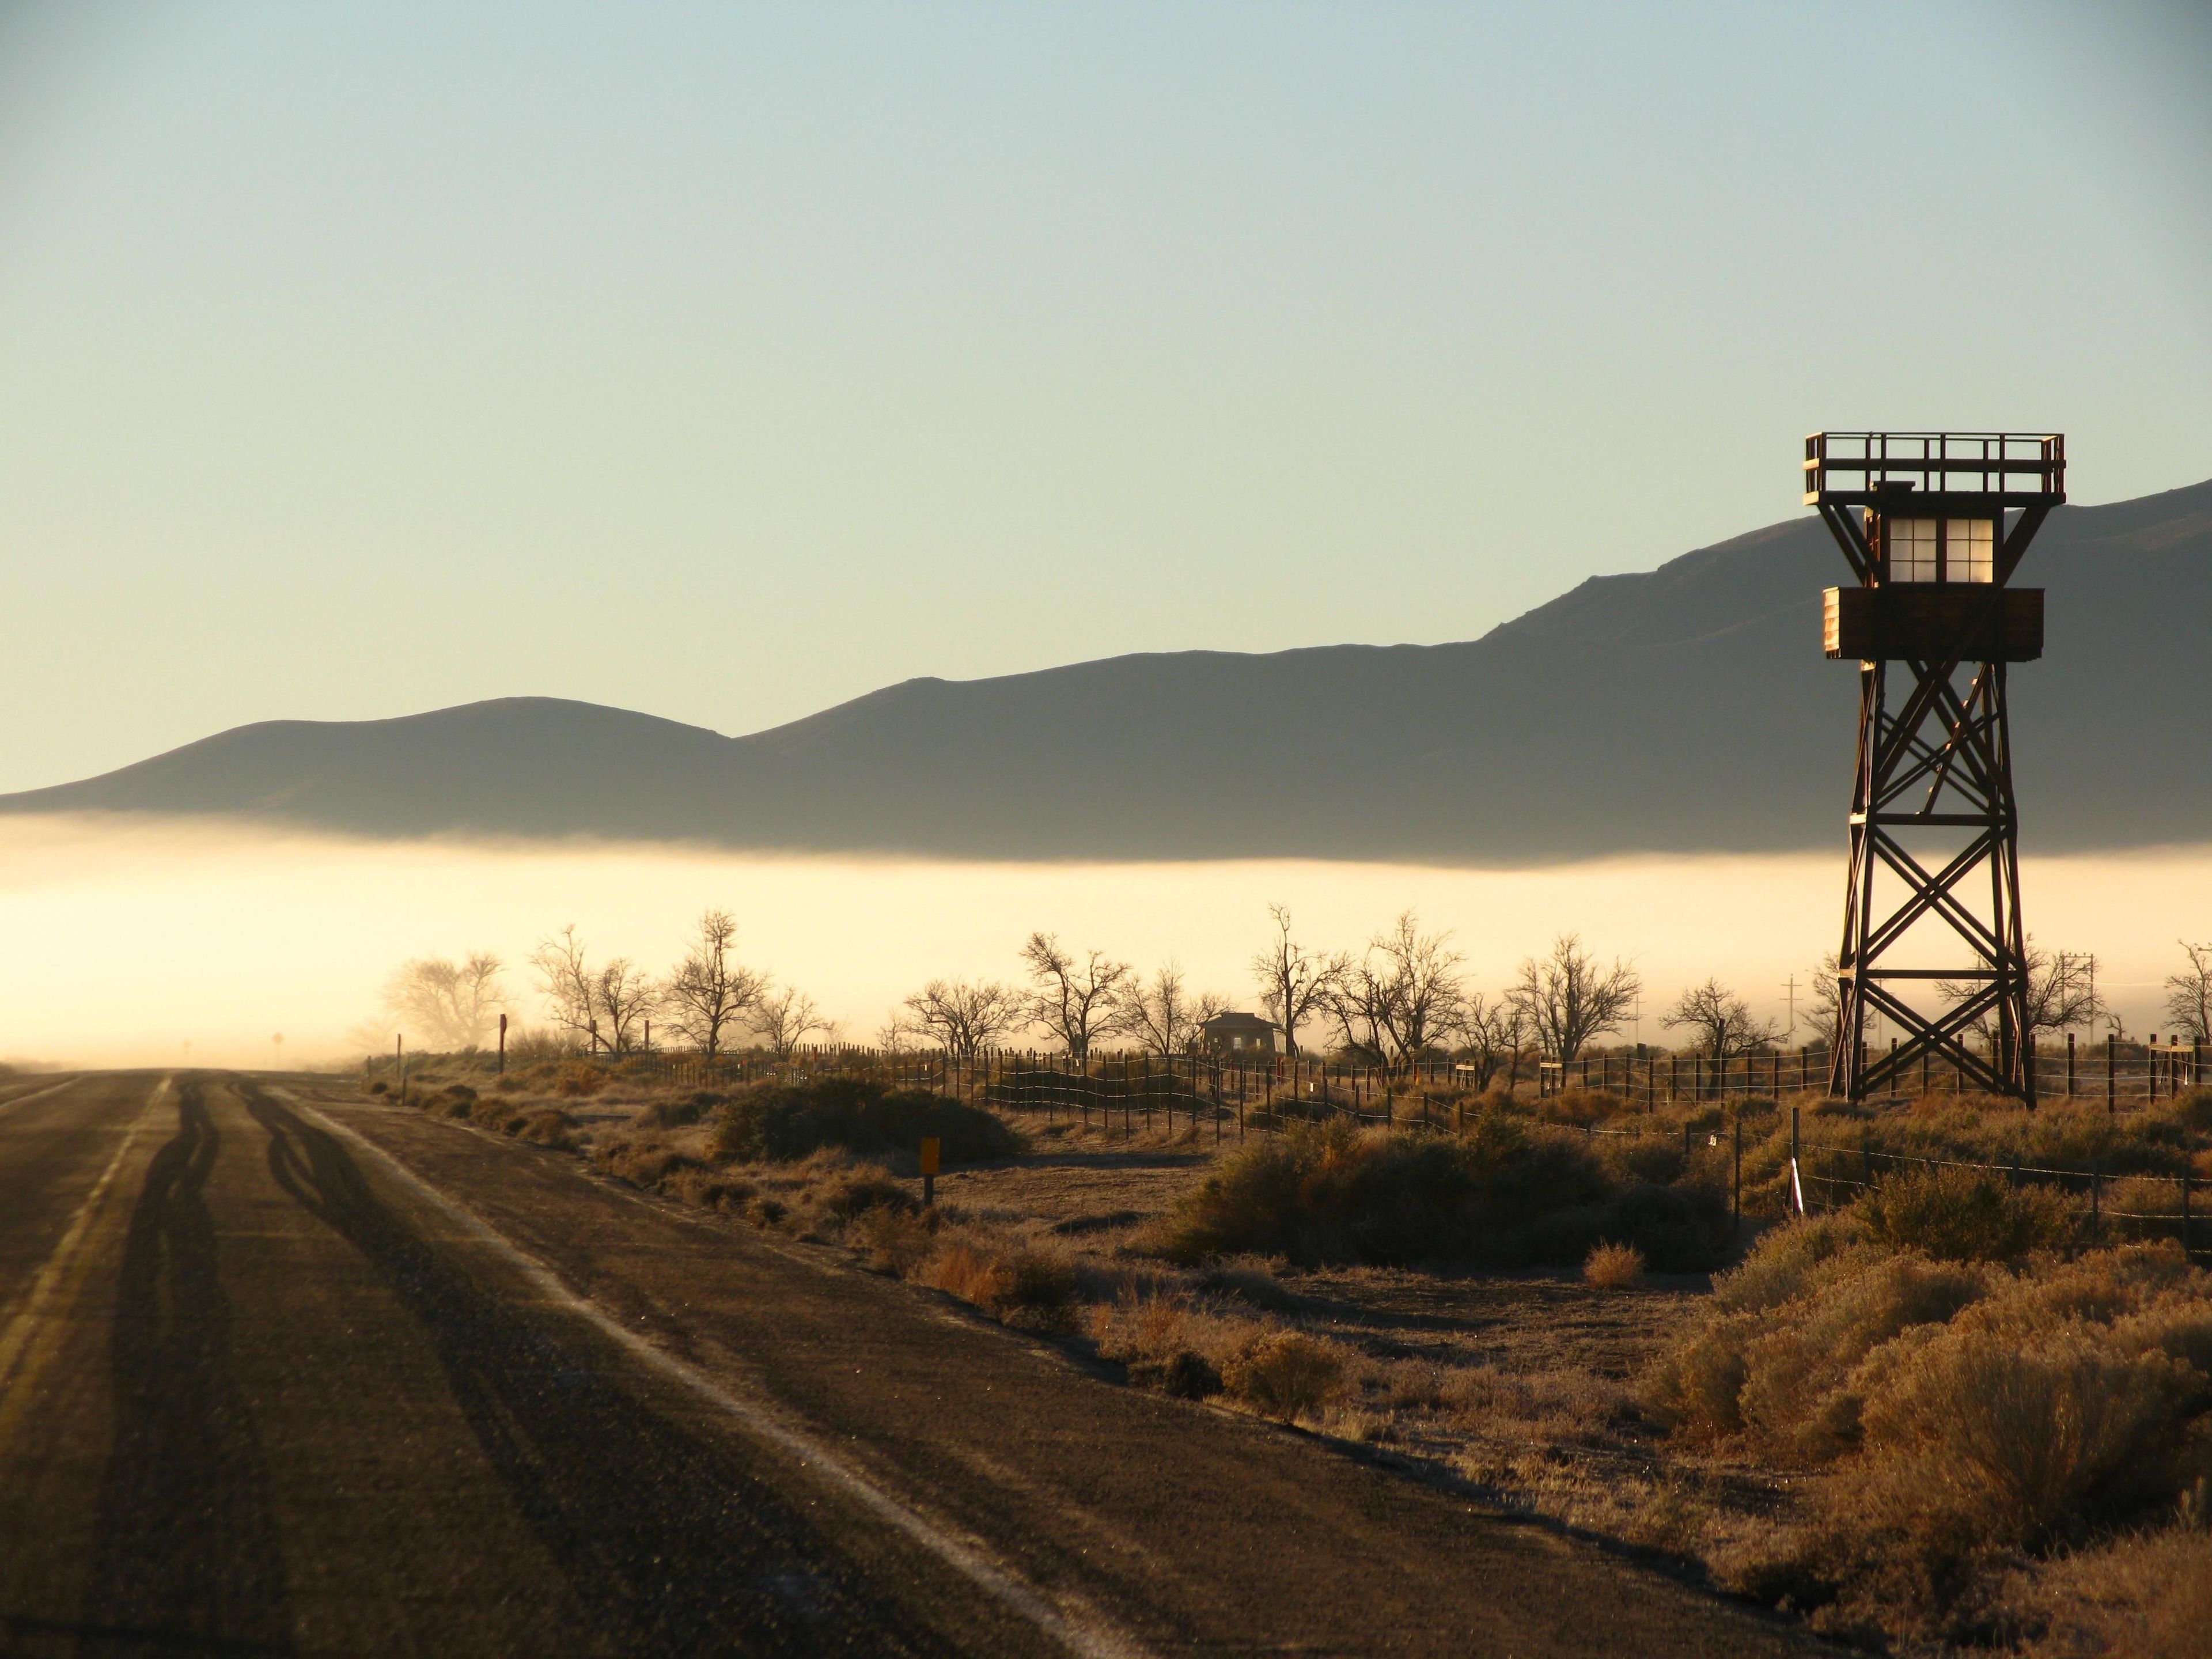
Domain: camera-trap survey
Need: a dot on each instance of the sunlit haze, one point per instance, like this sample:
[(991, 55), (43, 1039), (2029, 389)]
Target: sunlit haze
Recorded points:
[(130, 941)]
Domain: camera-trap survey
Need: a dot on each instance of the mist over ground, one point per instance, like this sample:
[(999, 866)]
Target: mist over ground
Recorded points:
[(128, 939)]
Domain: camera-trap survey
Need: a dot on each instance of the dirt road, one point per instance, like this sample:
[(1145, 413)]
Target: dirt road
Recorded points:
[(285, 1372)]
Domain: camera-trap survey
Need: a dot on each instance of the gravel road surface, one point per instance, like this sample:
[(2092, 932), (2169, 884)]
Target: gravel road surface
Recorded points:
[(285, 1371)]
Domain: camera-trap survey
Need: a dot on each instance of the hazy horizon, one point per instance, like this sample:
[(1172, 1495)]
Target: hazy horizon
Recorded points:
[(131, 939)]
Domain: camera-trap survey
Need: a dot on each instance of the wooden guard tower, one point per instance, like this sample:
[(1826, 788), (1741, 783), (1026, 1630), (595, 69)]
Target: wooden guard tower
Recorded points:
[(1934, 524)]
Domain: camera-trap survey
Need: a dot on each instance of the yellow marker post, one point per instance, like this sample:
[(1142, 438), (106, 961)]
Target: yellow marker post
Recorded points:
[(929, 1170)]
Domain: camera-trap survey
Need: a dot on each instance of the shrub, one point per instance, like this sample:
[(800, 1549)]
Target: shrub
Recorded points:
[(1613, 1268), (1184, 1374), (1696, 1386), (1284, 1374), (1966, 1215), (1800, 1385), (548, 1126), (578, 1080), (380, 1087), (1811, 1301), (677, 1114), (1330, 1192), (894, 1241), (459, 1093), (1790, 1260), (498, 1115), (642, 1161), (1022, 1287), (1979, 1441), (709, 1189), (1973, 1410), (786, 1122)]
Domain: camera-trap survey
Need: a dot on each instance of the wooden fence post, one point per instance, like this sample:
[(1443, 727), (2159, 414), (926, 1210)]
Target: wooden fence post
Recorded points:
[(2111, 1066), (1738, 1211)]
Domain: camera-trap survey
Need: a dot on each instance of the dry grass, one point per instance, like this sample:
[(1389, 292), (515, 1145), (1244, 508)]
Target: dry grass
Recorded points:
[(1613, 1268)]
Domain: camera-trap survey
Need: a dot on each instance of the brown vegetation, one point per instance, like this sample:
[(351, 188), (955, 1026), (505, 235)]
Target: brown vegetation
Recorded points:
[(1947, 1414)]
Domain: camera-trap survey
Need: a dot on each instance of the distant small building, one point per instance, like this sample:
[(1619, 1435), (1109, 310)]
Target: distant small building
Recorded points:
[(1234, 1036)]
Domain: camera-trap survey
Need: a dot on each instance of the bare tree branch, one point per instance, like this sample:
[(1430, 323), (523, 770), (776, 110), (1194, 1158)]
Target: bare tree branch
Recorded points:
[(1722, 1021), (709, 994), (447, 1005), (787, 1018), (1567, 1000), (965, 1018), (1076, 1005), (1294, 983), (2189, 993), (564, 979), (1161, 1015), (621, 997)]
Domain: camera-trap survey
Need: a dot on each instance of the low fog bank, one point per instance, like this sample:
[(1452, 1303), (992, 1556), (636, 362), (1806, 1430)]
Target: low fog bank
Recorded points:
[(144, 942)]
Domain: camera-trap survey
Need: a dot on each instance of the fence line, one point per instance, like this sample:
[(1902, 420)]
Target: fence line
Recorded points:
[(2130, 1074), (2090, 1183), (2114, 1072)]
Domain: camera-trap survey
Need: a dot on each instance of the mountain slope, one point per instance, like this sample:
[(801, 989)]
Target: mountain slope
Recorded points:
[(1687, 708)]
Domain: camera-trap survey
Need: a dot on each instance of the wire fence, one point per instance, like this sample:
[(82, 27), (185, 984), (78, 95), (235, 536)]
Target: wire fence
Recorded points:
[(2118, 1074), (2113, 1205), (1148, 1092)]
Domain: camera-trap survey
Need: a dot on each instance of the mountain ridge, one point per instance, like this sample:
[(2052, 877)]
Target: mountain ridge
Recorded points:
[(1685, 707)]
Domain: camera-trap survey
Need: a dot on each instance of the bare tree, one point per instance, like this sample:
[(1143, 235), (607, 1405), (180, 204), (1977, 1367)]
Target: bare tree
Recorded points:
[(564, 979), (1075, 1004), (1363, 1000), (709, 994), (1424, 977), (966, 1017), (1566, 999), (447, 1005), (1722, 1021), (2189, 993), (1490, 1036), (1161, 1015), (2061, 991), (622, 999), (1825, 1011), (787, 1018), (1294, 982)]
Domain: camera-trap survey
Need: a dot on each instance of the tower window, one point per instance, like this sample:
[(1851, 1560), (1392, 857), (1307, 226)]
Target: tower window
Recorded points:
[(1969, 551), (1942, 550), (1912, 545)]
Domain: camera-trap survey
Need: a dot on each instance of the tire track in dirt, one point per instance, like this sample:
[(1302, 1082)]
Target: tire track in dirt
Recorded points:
[(668, 1544), (185, 1550)]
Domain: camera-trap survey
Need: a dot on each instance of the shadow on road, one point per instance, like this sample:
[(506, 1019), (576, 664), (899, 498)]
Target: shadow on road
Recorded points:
[(185, 1546)]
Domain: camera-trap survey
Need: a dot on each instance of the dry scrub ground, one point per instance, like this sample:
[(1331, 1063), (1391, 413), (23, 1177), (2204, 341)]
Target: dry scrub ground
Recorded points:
[(1531, 1389)]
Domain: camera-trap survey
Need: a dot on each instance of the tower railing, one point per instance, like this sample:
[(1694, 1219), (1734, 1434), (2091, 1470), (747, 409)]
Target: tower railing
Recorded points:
[(1854, 468)]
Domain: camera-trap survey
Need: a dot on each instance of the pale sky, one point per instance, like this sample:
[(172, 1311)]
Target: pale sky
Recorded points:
[(726, 361)]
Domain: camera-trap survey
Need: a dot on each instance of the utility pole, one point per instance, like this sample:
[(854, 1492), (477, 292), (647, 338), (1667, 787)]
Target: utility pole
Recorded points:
[(1791, 987)]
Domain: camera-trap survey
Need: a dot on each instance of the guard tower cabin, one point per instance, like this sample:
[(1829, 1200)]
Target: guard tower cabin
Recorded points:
[(1934, 524)]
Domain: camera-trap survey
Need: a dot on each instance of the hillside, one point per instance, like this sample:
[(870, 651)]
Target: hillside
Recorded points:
[(1684, 709)]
